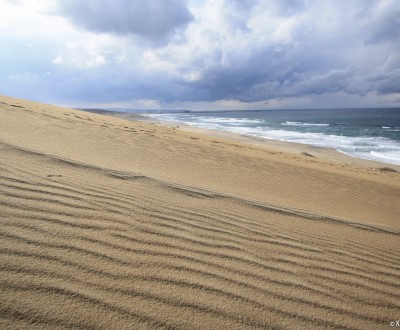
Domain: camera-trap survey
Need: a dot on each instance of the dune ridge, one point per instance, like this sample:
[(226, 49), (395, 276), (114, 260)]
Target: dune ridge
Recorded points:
[(194, 191), (94, 239)]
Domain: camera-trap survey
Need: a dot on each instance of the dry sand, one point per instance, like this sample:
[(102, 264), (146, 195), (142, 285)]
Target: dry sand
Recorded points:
[(113, 224)]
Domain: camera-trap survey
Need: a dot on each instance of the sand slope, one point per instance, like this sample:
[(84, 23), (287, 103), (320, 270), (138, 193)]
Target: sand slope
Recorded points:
[(108, 224)]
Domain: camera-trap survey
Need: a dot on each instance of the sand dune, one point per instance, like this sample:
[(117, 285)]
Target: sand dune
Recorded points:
[(111, 224)]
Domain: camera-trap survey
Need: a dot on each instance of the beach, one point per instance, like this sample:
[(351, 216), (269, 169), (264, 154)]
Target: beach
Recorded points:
[(108, 223), (366, 133)]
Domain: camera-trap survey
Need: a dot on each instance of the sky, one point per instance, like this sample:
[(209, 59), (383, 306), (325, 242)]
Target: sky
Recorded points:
[(202, 54)]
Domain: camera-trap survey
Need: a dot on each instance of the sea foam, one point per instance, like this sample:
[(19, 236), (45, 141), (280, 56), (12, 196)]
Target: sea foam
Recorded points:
[(351, 132)]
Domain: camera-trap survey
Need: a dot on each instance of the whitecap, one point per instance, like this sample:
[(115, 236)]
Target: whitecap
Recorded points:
[(296, 123)]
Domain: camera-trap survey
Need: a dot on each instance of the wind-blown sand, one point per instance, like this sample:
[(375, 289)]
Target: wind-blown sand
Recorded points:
[(113, 224)]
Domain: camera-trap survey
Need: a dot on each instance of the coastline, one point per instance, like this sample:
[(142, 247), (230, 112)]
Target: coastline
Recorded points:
[(323, 153), (111, 223)]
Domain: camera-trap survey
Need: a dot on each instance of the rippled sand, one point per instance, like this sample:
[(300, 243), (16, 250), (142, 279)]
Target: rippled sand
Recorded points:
[(114, 224)]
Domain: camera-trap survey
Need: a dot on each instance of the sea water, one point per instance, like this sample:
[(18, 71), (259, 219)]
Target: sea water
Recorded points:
[(365, 133)]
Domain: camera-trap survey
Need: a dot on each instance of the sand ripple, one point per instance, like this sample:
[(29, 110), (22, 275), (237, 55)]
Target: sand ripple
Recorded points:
[(87, 247)]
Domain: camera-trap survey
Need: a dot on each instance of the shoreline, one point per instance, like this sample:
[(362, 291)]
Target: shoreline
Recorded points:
[(322, 153)]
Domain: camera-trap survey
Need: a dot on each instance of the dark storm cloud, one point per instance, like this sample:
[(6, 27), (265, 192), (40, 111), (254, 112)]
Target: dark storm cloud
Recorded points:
[(153, 19), (272, 73), (323, 54), (386, 28), (389, 84)]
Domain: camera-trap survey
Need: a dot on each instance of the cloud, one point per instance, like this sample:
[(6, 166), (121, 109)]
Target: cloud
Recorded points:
[(201, 53), (153, 19), (270, 49), (386, 23), (58, 60)]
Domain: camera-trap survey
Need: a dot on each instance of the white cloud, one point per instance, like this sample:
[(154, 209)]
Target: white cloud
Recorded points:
[(25, 77), (58, 60)]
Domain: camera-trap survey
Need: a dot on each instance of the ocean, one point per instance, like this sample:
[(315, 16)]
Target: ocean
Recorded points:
[(364, 133)]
